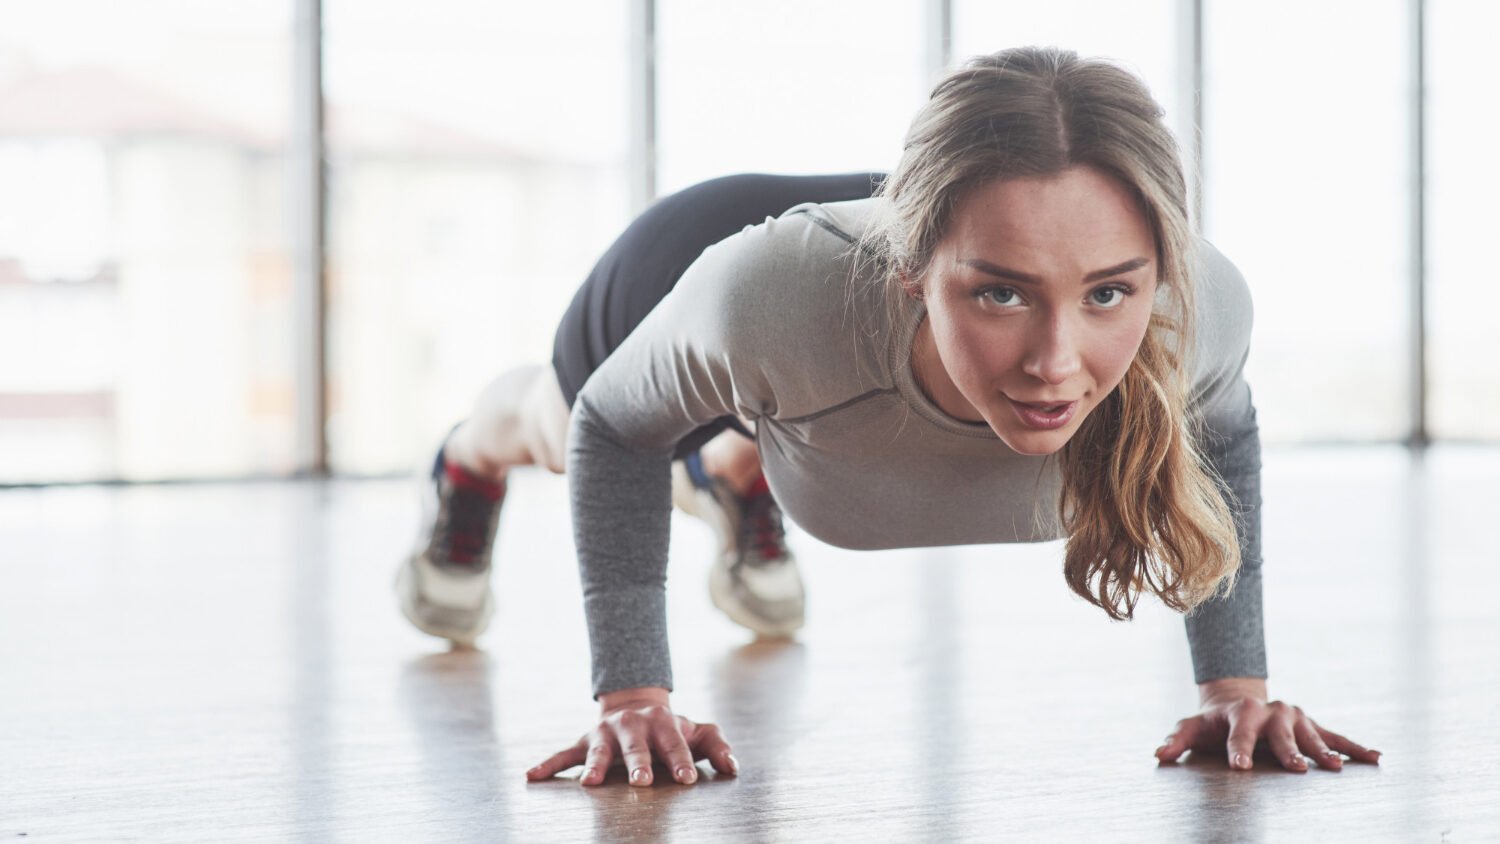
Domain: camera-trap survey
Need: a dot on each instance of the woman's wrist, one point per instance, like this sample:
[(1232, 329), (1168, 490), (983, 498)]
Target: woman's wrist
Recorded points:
[(1214, 689), (643, 695)]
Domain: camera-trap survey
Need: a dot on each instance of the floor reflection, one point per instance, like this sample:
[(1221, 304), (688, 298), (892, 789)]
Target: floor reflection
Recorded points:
[(1417, 623), (944, 747), (620, 809), (1227, 803), (305, 544), (757, 692), (448, 699), (297, 704)]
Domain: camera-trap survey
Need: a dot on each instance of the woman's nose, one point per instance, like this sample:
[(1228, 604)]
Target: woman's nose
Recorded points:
[(1052, 355)]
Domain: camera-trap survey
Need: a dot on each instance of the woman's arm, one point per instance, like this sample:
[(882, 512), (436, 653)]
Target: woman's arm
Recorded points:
[(669, 376), (729, 339), (1226, 635), (704, 352), (691, 360), (622, 506)]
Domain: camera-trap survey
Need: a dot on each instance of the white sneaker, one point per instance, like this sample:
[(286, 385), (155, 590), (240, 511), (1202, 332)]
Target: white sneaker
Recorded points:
[(444, 584), (754, 580)]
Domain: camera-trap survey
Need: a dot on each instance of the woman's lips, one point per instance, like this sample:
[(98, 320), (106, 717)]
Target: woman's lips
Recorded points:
[(1037, 416)]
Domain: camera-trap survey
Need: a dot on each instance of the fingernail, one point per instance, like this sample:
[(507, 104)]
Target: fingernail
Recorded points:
[(734, 764), (638, 775), (1240, 761), (1299, 762), (687, 774)]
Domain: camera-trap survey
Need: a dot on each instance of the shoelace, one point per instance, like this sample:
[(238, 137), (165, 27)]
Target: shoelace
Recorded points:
[(466, 530), (760, 527)]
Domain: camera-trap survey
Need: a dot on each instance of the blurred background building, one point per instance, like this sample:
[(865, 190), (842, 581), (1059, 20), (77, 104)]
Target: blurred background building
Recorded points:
[(477, 157)]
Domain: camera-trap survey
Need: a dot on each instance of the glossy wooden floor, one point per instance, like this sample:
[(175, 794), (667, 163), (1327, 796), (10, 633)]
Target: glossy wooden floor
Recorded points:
[(226, 662)]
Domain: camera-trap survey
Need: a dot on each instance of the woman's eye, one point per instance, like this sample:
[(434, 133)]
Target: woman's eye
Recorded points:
[(999, 295), (1105, 297), (1109, 297)]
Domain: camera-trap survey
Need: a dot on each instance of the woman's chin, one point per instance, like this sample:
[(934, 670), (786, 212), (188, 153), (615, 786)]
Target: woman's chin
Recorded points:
[(1033, 443), (1031, 448)]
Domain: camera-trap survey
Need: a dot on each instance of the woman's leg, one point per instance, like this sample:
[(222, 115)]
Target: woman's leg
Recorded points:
[(732, 458), (519, 419), (754, 578)]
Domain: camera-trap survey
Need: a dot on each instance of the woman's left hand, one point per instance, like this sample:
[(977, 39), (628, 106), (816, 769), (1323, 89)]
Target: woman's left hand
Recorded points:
[(1236, 717)]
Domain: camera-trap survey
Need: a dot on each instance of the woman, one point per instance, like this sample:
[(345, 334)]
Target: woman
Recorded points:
[(1018, 339)]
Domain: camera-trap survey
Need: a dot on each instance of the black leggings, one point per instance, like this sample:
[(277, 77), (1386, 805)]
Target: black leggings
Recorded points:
[(655, 250)]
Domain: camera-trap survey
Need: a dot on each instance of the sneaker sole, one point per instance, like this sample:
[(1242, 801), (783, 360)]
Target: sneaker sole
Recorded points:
[(695, 502), (722, 595), (426, 616)]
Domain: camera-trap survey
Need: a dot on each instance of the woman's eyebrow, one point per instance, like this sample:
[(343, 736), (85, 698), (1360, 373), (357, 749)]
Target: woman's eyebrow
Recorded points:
[(1026, 278)]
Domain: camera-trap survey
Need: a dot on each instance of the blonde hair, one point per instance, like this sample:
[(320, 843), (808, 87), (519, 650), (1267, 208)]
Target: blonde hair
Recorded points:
[(1140, 506)]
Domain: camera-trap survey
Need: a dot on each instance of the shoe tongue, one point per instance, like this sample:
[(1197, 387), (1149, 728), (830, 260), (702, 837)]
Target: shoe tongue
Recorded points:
[(762, 528)]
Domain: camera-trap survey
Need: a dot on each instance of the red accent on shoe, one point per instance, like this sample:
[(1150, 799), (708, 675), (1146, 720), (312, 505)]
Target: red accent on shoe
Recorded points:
[(767, 537), (770, 547), (464, 479)]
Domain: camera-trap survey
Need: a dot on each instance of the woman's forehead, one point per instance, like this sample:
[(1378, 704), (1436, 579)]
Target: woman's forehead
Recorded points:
[(1079, 201), (1074, 223)]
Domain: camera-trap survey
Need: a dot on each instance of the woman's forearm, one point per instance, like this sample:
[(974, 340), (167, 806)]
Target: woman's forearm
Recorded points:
[(1227, 634), (622, 506)]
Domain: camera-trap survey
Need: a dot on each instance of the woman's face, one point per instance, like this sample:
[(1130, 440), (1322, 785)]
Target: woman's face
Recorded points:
[(1039, 294)]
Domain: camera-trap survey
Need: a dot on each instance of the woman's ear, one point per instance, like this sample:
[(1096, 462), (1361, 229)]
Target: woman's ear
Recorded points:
[(909, 286)]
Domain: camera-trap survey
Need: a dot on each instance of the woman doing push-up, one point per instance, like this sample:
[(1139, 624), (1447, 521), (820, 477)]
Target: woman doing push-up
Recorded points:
[(1015, 336)]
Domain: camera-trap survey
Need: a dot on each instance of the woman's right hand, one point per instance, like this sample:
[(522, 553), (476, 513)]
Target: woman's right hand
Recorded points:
[(635, 727)]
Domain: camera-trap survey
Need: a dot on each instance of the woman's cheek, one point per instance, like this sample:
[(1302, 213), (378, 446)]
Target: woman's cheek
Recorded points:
[(1119, 354), (980, 360)]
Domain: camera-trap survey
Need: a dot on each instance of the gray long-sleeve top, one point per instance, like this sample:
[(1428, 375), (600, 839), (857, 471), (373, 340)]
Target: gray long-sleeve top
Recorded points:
[(774, 324)]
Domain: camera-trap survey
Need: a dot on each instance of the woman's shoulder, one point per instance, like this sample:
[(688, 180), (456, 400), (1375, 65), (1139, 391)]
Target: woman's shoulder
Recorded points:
[(787, 295), (845, 221), (766, 271), (1224, 301), (1225, 317), (804, 237)]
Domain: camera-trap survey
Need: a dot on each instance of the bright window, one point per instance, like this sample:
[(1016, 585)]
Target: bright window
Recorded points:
[(144, 275), (785, 86), (478, 166), (477, 170), (1307, 178), (1463, 182)]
